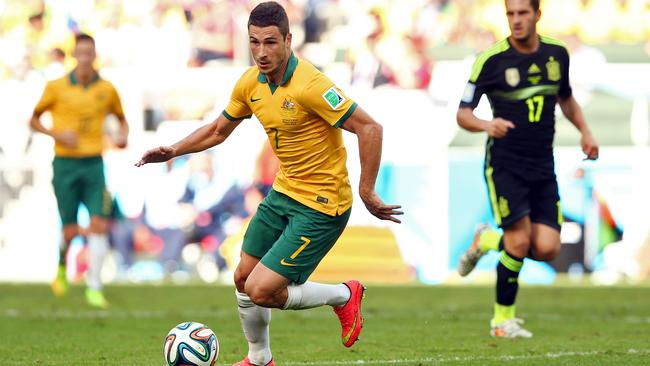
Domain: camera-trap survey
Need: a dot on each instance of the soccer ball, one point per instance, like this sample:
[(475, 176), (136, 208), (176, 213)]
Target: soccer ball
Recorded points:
[(191, 344)]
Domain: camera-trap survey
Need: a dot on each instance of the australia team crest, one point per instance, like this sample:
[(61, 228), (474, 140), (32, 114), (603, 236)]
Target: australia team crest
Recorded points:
[(288, 107)]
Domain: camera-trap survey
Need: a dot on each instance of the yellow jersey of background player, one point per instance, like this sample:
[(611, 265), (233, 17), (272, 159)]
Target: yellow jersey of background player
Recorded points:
[(81, 109)]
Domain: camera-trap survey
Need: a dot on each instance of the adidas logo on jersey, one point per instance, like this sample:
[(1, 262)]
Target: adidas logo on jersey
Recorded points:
[(534, 69)]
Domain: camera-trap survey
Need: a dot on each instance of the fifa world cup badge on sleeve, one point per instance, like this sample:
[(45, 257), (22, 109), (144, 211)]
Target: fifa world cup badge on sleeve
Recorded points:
[(468, 94), (333, 98)]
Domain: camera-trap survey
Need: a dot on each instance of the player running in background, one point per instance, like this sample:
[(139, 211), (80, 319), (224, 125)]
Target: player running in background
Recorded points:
[(79, 103), (523, 77), (299, 221)]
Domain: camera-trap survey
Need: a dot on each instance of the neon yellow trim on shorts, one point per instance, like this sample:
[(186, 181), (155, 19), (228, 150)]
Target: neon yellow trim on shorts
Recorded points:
[(493, 194)]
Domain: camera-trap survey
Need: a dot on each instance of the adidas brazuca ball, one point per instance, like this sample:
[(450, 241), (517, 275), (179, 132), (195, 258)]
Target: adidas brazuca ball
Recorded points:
[(190, 344)]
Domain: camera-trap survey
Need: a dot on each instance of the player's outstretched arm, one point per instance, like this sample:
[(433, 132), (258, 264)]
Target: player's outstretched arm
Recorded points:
[(201, 139), (572, 111), (370, 135)]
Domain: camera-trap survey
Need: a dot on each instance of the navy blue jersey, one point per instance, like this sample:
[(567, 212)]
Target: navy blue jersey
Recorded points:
[(522, 88)]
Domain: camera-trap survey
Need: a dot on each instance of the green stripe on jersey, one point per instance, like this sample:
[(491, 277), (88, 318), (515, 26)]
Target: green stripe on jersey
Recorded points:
[(235, 119), (497, 48), (347, 115), (525, 93), (554, 41)]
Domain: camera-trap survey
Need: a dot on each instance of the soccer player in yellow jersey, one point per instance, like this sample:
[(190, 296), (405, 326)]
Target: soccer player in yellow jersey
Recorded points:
[(298, 222), (79, 103)]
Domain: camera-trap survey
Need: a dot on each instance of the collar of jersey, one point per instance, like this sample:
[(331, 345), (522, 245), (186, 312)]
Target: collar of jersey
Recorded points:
[(288, 73), (74, 81)]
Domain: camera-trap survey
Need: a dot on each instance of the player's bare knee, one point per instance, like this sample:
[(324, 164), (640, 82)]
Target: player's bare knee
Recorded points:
[(547, 254), (240, 280), (98, 225), (545, 249), (519, 246), (69, 232), (67, 237), (258, 296)]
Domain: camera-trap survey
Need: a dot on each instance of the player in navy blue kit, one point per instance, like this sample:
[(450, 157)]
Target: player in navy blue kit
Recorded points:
[(523, 76)]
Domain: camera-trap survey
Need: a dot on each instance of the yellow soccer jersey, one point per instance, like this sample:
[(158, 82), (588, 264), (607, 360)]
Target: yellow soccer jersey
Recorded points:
[(301, 117), (82, 110)]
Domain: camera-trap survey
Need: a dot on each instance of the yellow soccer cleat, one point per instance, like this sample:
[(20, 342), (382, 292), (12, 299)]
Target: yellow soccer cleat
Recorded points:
[(60, 284), (96, 298)]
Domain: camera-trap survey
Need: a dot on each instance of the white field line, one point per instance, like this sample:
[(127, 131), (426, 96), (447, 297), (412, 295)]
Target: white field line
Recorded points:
[(443, 360), (440, 360)]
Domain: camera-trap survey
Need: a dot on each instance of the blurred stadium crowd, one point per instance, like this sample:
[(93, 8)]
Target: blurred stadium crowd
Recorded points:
[(401, 35)]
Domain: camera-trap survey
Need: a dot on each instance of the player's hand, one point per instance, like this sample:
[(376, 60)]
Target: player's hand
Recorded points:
[(121, 140), (380, 210), (589, 146), (498, 127), (157, 155), (67, 138)]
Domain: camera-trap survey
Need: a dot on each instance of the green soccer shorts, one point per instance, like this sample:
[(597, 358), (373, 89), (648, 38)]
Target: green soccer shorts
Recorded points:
[(290, 237), (80, 180)]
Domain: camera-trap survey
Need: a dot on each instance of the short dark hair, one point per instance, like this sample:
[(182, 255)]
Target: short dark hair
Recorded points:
[(83, 37), (36, 16), (270, 13), (534, 4), (58, 52)]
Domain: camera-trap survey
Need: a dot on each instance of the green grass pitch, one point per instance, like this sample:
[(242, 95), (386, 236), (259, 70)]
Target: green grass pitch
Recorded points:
[(438, 325)]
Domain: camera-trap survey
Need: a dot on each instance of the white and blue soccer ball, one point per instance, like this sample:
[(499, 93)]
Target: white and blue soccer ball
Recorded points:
[(191, 344)]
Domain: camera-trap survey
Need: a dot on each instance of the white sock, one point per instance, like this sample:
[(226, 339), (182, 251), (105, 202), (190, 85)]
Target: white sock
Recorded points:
[(312, 294), (255, 323), (97, 250)]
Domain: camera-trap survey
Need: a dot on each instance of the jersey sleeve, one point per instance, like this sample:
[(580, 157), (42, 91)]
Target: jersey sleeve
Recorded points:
[(476, 85), (116, 104), (47, 99), (565, 90), (323, 98), (238, 108)]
